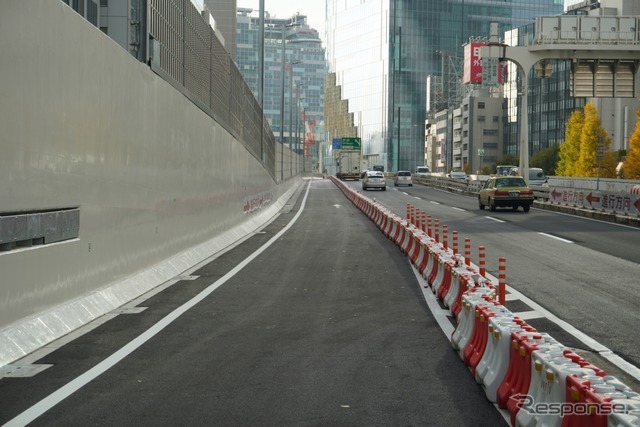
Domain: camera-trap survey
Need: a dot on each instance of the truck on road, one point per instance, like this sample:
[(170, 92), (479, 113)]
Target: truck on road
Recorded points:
[(349, 165)]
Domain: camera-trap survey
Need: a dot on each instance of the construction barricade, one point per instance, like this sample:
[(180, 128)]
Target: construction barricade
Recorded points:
[(538, 380)]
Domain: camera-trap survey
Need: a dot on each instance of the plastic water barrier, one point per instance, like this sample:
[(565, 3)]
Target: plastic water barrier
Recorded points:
[(537, 379)]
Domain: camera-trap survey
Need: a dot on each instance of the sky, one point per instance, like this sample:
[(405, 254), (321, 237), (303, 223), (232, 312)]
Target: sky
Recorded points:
[(313, 9)]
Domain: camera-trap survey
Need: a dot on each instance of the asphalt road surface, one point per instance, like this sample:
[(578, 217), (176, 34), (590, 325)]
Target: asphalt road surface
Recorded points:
[(317, 320)]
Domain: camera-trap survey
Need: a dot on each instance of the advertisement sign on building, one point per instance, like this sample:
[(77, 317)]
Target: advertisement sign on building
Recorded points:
[(473, 71)]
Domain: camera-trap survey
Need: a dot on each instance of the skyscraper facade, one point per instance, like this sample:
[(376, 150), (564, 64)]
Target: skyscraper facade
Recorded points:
[(382, 51), (302, 97)]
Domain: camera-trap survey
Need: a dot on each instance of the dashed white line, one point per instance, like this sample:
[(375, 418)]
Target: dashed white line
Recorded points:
[(494, 219), (458, 209), (555, 237), (435, 203)]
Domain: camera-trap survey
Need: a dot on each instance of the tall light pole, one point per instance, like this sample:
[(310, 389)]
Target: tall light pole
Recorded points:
[(291, 109), (282, 106)]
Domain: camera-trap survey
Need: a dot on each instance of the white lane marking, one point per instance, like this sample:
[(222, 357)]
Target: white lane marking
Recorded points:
[(416, 197), (458, 209), (406, 194), (494, 219), (527, 315), (337, 206), (435, 203), (441, 315), (68, 389), (605, 352), (555, 237)]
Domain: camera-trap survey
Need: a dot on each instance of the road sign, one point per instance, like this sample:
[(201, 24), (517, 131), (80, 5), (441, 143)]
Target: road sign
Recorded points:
[(480, 152), (336, 144), (351, 143)]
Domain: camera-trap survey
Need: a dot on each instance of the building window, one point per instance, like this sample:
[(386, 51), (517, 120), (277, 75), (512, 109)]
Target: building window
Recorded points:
[(490, 132), (496, 119), (481, 118), (480, 105)]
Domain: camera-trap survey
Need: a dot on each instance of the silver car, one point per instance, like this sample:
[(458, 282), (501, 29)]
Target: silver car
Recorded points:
[(374, 179), (403, 178)]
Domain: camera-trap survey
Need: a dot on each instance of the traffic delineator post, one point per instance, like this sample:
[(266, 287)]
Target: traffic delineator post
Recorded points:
[(467, 251), (429, 226), (482, 261), (502, 277), (437, 230), (445, 237), (455, 242), (424, 219)]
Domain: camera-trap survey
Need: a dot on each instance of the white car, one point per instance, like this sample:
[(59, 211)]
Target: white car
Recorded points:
[(374, 179), (423, 171), (461, 175), (403, 178)]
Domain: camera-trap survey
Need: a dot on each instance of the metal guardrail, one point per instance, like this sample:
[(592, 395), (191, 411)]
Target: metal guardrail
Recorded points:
[(605, 202)]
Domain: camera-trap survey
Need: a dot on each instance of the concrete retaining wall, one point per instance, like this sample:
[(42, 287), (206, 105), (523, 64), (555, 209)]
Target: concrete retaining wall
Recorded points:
[(85, 125)]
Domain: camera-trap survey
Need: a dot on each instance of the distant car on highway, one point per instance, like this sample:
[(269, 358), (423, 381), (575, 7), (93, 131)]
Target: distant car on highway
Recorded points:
[(403, 178), (461, 175), (536, 176), (423, 171), (504, 170), (505, 191), (374, 179)]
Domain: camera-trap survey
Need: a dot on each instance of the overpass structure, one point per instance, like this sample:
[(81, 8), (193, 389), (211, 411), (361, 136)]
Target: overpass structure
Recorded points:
[(604, 52)]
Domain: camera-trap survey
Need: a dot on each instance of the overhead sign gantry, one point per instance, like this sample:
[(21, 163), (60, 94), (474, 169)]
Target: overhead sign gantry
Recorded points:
[(604, 52)]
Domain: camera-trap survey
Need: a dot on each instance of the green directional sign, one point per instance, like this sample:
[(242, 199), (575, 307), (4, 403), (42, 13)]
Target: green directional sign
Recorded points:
[(350, 143)]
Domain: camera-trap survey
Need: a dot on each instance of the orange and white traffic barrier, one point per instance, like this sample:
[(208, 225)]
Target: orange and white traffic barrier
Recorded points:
[(548, 385), (429, 226), (494, 363), (477, 345), (437, 230), (424, 222), (482, 261), (466, 320)]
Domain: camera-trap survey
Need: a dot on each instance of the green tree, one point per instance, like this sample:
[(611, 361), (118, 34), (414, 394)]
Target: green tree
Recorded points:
[(593, 135), (570, 150), (631, 165), (546, 159)]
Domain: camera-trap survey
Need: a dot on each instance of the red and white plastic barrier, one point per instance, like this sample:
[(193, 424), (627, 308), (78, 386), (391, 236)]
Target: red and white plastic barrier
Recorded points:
[(510, 359)]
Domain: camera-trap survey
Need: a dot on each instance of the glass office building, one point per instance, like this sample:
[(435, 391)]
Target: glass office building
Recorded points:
[(305, 70), (382, 51)]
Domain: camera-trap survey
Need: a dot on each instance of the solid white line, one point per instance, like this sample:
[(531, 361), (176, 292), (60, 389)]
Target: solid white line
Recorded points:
[(441, 315), (555, 237), (65, 391), (494, 219)]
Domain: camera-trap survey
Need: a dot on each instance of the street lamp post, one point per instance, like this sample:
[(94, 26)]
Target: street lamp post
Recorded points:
[(291, 64), (284, 54), (282, 106)]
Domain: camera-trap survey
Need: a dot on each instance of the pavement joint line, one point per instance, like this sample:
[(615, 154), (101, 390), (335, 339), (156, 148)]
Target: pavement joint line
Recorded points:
[(33, 412)]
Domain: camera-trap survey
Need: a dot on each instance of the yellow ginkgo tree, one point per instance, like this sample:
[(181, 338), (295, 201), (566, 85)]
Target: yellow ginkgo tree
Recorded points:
[(570, 149), (631, 165)]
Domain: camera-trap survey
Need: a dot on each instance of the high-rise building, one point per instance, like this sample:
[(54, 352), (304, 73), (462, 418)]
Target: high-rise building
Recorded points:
[(304, 68), (224, 13), (382, 51)]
